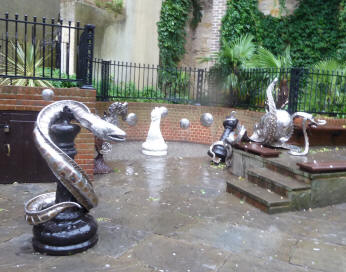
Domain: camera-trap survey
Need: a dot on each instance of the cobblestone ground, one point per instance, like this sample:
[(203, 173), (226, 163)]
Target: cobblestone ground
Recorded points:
[(173, 214)]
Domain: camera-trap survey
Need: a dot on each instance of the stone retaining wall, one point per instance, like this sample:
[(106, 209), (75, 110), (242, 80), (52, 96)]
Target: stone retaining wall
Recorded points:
[(30, 99)]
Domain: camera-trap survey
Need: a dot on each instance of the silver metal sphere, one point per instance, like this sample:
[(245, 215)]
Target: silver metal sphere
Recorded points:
[(47, 94), (164, 112), (184, 123), (131, 119), (207, 119), (106, 148)]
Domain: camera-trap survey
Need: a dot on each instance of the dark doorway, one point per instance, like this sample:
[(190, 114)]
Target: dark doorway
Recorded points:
[(20, 161)]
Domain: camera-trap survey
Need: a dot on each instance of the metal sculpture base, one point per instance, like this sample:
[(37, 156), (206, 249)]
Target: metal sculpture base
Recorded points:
[(69, 233), (154, 152), (73, 230), (100, 165)]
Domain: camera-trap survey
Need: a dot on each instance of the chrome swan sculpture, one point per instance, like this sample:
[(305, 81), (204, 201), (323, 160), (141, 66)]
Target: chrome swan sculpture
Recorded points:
[(43, 208), (276, 126)]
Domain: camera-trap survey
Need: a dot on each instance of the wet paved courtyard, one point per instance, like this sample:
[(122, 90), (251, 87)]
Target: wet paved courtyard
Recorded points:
[(173, 214)]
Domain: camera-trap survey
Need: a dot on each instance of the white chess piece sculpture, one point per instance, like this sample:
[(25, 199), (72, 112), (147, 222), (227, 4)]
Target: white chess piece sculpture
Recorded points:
[(155, 144)]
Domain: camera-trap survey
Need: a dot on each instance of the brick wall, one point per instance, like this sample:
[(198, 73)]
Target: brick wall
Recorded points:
[(205, 39), (219, 10), (30, 99), (170, 126), (331, 134)]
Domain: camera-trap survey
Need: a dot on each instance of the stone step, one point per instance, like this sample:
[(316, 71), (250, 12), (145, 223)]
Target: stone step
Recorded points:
[(280, 184), (323, 167), (257, 196), (258, 149)]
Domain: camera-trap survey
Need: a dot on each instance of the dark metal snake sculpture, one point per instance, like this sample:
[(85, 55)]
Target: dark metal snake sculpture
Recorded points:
[(43, 208)]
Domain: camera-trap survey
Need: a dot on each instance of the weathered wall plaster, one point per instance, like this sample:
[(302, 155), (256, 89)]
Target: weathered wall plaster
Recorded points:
[(130, 37)]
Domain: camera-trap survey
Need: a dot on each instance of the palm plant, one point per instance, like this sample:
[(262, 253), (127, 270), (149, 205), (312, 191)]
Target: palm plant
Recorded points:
[(238, 52), (274, 66), (266, 59), (226, 72), (27, 64)]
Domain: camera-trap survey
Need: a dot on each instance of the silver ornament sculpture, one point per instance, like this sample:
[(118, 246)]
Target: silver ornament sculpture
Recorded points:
[(276, 126), (184, 123), (131, 119), (207, 119), (47, 94), (164, 112)]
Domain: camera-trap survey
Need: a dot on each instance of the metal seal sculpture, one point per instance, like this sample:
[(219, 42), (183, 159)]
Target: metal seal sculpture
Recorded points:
[(221, 151), (61, 223), (114, 111), (276, 126)]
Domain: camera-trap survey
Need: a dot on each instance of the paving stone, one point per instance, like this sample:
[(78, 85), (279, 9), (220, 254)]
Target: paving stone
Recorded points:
[(115, 240), (90, 262), (18, 253), (321, 256), (179, 206), (241, 263), (149, 216), (240, 239), (164, 254)]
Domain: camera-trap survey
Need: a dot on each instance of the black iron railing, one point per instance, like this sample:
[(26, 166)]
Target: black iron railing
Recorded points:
[(41, 52), (298, 89), (125, 80)]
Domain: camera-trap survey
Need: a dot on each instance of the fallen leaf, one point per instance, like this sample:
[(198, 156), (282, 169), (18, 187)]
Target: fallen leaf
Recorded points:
[(103, 219), (153, 198)]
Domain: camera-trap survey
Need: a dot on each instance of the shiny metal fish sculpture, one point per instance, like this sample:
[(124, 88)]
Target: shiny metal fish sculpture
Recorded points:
[(43, 208), (276, 126)]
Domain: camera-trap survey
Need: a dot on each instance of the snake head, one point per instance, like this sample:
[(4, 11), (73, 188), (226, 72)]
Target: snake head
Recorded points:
[(107, 131)]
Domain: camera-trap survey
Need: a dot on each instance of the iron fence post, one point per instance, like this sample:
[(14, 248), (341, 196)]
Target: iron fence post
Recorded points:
[(296, 74), (200, 76), (105, 79), (86, 52)]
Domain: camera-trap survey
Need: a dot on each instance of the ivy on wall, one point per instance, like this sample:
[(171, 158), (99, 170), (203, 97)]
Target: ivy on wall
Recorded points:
[(313, 31), (171, 29)]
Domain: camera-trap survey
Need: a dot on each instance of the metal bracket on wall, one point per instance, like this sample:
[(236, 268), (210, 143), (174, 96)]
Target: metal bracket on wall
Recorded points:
[(5, 127), (8, 147)]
